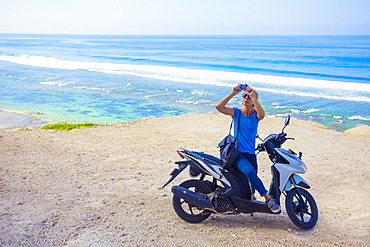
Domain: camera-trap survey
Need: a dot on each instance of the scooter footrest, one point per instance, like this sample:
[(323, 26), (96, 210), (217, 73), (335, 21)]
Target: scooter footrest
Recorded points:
[(250, 206)]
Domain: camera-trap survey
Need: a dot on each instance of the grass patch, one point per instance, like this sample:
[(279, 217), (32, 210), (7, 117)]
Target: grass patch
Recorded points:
[(69, 126)]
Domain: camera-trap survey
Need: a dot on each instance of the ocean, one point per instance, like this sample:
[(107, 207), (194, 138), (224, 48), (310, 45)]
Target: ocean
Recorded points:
[(111, 78)]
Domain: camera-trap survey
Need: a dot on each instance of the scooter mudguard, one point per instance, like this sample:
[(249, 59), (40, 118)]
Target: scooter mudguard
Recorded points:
[(297, 181), (250, 206), (177, 171), (198, 199)]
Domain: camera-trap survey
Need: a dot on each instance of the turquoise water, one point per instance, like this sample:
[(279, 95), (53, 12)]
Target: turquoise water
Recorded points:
[(107, 79)]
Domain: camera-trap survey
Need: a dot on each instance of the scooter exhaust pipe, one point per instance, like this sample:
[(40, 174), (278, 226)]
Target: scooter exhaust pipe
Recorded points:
[(198, 199)]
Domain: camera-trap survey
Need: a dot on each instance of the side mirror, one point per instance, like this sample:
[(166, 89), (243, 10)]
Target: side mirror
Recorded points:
[(287, 120)]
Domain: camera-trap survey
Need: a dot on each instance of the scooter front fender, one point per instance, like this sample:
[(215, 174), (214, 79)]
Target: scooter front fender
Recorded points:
[(297, 181)]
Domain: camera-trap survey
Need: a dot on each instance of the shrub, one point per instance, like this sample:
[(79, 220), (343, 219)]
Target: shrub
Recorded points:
[(69, 126)]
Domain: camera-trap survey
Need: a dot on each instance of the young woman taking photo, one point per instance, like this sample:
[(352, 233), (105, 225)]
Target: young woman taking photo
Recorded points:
[(249, 117)]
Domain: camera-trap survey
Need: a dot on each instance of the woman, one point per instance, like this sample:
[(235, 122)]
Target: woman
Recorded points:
[(250, 115)]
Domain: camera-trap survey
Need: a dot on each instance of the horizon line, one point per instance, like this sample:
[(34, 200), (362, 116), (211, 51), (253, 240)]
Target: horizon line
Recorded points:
[(132, 34)]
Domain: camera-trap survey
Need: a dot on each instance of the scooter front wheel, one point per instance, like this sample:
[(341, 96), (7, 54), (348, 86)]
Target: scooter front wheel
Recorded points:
[(301, 208), (188, 211)]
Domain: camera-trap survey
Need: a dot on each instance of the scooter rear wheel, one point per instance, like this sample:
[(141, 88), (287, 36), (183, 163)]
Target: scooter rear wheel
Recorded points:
[(301, 208), (188, 211)]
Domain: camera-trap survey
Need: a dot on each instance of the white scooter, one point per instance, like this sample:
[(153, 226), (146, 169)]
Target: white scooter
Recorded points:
[(229, 192)]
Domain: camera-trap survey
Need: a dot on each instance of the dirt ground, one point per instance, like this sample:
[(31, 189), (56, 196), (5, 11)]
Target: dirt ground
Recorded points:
[(101, 186)]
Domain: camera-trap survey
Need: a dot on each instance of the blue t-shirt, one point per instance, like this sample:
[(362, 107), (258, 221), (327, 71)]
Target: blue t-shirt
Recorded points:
[(247, 131)]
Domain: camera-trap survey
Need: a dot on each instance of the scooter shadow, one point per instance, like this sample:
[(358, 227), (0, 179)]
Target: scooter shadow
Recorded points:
[(257, 220)]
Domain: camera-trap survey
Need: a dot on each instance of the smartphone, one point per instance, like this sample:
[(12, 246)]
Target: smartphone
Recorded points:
[(243, 86)]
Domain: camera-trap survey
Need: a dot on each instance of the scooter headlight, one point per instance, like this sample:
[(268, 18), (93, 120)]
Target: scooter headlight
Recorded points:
[(303, 165)]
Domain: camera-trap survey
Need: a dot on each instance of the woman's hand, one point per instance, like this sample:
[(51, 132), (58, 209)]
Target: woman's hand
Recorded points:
[(221, 106), (251, 93), (236, 90), (254, 97)]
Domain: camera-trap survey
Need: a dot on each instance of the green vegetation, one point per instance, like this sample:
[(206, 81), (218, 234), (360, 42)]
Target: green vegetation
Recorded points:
[(67, 126)]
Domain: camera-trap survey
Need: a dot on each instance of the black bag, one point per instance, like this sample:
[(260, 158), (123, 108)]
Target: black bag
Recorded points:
[(229, 148)]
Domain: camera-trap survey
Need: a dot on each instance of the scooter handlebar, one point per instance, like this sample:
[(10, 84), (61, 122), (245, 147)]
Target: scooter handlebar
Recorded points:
[(276, 139)]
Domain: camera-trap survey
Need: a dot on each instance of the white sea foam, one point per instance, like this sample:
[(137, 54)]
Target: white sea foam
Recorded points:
[(189, 102), (311, 110), (357, 117), (55, 83), (155, 95), (279, 107), (209, 77), (94, 89), (200, 92), (316, 95)]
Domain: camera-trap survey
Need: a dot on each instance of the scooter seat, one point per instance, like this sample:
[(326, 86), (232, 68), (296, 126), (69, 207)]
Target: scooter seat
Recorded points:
[(207, 157)]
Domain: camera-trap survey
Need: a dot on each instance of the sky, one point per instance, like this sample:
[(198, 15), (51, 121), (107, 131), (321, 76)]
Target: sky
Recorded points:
[(175, 17)]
